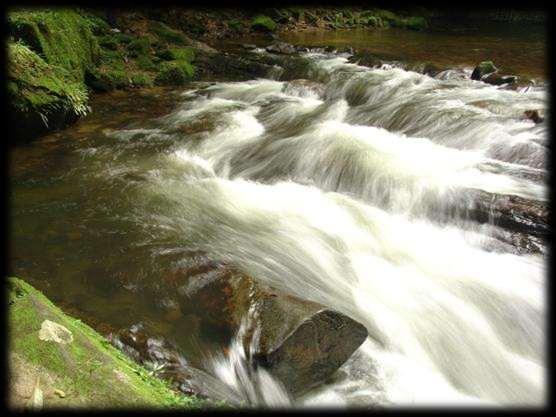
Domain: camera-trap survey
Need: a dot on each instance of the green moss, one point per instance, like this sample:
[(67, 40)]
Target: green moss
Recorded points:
[(168, 34), (236, 25), (486, 67), (124, 38), (112, 59), (96, 24), (144, 62), (175, 73), (141, 79), (86, 368), (37, 87), (60, 36), (107, 79), (139, 47), (263, 23), (108, 42), (185, 54)]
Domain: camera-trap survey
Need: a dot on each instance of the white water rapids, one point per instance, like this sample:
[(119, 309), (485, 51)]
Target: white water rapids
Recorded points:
[(333, 191)]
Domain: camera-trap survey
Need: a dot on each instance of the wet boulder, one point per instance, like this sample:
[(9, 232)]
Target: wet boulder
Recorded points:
[(534, 115), (497, 79), (281, 48), (510, 212), (300, 342), (483, 69)]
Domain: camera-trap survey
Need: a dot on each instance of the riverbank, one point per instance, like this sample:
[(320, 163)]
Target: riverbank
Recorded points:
[(57, 361), (58, 58)]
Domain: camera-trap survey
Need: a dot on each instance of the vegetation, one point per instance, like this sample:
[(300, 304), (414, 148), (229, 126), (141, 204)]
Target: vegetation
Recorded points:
[(89, 370), (176, 72), (56, 55), (263, 23)]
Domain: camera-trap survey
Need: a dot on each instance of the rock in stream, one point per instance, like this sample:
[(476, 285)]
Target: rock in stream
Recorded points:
[(299, 342)]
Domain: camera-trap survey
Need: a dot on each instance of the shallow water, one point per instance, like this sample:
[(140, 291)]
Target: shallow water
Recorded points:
[(352, 194)]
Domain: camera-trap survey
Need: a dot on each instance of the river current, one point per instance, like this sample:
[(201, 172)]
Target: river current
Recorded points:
[(350, 188)]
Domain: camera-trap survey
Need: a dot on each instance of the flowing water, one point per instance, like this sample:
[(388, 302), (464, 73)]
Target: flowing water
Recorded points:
[(351, 188)]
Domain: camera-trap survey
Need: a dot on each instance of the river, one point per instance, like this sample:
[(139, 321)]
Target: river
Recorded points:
[(350, 188)]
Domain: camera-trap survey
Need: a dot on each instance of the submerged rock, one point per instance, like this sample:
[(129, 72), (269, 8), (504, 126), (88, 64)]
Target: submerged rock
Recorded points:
[(483, 69), (248, 46)]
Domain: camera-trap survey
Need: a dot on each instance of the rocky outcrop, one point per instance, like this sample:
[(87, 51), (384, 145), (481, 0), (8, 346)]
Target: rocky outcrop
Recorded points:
[(299, 342), (231, 67)]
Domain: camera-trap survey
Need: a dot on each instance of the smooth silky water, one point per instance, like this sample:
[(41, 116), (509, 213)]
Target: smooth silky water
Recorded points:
[(343, 194)]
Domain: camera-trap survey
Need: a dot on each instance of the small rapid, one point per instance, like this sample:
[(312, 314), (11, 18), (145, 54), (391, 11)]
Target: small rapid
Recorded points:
[(357, 188)]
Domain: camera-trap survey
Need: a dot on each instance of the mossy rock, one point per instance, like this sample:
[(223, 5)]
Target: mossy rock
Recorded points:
[(170, 54), (88, 369), (41, 96), (484, 68), (140, 79), (167, 33), (139, 47), (107, 79), (263, 23), (60, 36), (175, 73)]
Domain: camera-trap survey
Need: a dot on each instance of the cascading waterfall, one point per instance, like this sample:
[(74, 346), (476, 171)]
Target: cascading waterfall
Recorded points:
[(331, 189)]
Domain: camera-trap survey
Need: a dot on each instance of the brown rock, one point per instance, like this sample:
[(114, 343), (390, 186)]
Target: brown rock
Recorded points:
[(534, 116)]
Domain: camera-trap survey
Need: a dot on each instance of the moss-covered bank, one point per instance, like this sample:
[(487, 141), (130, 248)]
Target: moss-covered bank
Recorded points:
[(57, 56), (209, 24), (87, 372)]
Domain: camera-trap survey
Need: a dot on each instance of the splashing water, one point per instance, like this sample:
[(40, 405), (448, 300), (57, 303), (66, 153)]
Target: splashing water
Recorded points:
[(331, 190), (253, 385)]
